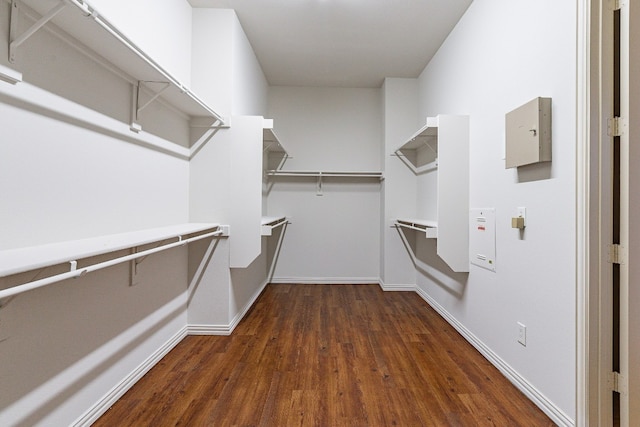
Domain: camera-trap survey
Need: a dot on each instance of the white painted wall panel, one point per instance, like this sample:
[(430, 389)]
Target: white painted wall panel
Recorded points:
[(226, 72), (400, 121), (480, 72), (250, 87), (65, 346), (212, 70)]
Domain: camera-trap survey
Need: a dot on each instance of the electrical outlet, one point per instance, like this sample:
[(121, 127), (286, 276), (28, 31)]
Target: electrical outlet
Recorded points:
[(522, 334)]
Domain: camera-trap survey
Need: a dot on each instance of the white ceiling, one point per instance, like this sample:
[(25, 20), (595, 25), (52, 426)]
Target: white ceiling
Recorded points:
[(347, 43)]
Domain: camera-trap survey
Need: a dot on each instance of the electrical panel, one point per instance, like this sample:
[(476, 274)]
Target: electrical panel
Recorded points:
[(528, 133)]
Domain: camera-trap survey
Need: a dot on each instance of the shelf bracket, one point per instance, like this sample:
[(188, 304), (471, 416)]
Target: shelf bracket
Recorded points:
[(133, 268), (319, 185), (136, 107), (16, 40)]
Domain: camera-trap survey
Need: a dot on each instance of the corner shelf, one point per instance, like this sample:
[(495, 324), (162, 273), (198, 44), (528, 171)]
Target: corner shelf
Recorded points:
[(429, 228), (80, 25), (420, 151)]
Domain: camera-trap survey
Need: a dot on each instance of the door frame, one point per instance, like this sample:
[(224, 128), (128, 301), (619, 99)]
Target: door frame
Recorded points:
[(594, 104)]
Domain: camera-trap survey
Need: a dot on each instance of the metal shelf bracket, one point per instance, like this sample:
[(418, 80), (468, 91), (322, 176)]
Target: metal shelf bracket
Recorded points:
[(136, 107), (16, 40)]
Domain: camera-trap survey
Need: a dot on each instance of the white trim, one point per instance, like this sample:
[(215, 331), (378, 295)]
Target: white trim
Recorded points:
[(396, 287), (326, 280), (203, 329), (93, 413), (512, 375), (583, 187)]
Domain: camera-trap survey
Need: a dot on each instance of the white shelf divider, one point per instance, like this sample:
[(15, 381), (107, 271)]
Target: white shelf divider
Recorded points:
[(15, 261), (442, 145)]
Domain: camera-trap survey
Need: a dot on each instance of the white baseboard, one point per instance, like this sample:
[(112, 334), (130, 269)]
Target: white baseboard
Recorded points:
[(396, 287), (201, 329), (126, 383), (552, 411), (327, 280)]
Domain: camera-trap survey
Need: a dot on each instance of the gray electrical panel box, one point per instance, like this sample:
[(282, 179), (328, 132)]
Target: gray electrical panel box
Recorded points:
[(528, 133)]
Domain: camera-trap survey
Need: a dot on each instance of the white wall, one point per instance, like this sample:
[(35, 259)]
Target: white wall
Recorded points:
[(334, 237), (163, 32), (250, 87), (501, 55), (400, 196), (226, 72), (65, 346)]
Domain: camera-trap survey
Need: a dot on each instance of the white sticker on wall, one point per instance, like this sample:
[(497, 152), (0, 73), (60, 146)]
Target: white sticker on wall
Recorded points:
[(482, 238)]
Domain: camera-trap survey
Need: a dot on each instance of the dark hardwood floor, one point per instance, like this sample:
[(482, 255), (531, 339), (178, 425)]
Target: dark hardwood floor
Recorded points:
[(334, 355)]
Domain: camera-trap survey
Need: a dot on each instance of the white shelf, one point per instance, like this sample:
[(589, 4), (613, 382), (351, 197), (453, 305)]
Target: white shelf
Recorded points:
[(270, 141), (420, 151), (270, 223), (429, 228), (82, 23), (16, 261)]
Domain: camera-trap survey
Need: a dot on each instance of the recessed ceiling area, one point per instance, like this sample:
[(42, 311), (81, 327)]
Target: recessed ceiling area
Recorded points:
[(343, 43)]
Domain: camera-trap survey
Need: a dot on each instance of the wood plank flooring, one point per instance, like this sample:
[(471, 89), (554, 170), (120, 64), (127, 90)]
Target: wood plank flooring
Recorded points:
[(334, 355)]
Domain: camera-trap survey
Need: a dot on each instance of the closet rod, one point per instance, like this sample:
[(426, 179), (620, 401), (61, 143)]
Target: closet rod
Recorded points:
[(91, 12), (18, 289)]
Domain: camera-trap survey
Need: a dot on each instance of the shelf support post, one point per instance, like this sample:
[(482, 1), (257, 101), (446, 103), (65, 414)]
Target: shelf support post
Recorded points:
[(16, 40)]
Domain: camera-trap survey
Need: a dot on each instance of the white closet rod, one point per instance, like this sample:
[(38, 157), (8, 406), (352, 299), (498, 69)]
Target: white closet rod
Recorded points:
[(325, 174), (18, 289), (93, 13)]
